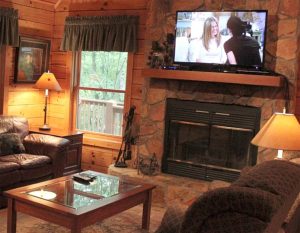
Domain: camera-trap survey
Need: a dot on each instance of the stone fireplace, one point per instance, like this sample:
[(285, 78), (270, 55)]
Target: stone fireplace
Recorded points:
[(207, 140), (157, 92)]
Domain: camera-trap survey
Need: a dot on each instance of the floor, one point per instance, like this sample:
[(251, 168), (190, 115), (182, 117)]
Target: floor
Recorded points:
[(126, 222)]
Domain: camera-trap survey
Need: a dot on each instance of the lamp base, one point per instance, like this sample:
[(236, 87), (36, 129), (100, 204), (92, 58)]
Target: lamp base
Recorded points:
[(45, 127)]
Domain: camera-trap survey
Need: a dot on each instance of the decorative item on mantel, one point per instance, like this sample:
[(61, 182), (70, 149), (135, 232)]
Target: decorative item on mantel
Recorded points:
[(161, 54)]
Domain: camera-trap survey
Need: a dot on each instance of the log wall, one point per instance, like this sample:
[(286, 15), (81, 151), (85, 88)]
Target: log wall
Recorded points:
[(36, 20)]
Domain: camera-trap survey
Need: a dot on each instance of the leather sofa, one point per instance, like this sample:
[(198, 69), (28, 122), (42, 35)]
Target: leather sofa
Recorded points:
[(27, 158), (263, 200)]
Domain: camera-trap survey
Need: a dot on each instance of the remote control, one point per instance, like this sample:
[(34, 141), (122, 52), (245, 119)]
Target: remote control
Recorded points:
[(84, 177)]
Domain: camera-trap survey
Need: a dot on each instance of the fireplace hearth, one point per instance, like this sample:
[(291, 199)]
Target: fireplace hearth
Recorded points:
[(209, 141)]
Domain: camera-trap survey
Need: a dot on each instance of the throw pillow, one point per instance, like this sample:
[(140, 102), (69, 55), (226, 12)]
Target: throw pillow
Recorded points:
[(10, 143)]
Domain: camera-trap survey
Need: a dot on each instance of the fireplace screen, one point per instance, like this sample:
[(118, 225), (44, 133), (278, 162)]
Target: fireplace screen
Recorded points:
[(214, 145)]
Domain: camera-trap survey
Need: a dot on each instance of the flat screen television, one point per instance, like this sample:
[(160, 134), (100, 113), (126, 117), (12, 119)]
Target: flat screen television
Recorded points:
[(210, 39)]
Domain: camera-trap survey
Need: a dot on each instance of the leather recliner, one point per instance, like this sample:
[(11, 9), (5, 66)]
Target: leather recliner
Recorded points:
[(31, 158)]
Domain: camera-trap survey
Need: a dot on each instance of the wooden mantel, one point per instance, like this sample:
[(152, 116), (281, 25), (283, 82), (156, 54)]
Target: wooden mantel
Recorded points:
[(218, 77)]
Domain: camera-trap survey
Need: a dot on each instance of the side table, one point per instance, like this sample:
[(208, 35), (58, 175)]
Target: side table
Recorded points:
[(73, 159)]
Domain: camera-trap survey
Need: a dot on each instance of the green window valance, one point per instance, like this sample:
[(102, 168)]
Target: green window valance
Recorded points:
[(100, 33), (9, 27)]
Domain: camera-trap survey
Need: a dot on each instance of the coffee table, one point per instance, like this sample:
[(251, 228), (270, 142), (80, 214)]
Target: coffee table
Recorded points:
[(75, 205)]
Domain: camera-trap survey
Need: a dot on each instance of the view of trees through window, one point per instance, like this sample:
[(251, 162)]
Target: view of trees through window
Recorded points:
[(101, 91)]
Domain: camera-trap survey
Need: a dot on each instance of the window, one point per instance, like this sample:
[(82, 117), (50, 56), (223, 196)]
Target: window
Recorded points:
[(101, 91)]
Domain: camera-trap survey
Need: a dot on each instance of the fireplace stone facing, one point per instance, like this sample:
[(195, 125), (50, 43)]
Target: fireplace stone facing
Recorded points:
[(156, 92)]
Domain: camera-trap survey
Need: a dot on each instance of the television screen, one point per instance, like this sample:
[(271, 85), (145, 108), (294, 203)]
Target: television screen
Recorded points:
[(234, 38)]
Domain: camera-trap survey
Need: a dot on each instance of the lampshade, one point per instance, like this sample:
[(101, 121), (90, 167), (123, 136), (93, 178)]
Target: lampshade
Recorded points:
[(48, 81), (282, 132)]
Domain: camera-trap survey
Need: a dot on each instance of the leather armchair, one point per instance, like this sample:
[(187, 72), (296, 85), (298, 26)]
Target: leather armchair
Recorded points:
[(33, 158)]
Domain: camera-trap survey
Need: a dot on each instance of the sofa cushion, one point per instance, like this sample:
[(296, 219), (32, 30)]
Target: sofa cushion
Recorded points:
[(10, 178), (36, 173), (277, 176), (8, 167), (27, 161), (10, 143)]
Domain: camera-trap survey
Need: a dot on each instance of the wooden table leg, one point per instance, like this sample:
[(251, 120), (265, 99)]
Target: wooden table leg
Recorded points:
[(11, 216), (147, 210), (76, 227)]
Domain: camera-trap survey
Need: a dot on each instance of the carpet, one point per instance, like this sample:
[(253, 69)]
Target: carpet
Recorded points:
[(128, 221)]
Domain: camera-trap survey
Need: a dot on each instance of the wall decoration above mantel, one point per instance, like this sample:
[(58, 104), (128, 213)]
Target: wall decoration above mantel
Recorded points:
[(32, 59)]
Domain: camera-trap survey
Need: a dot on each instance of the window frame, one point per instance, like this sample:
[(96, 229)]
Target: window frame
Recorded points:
[(75, 91)]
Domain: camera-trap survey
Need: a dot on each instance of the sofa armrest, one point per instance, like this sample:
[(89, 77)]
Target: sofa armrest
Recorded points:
[(242, 201), (54, 147)]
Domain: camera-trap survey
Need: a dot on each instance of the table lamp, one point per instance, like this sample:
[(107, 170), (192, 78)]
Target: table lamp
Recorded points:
[(47, 82), (281, 132)]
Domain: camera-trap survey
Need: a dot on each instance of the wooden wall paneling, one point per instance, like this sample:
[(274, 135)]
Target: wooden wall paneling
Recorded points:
[(97, 156), (58, 97), (62, 5), (57, 123), (58, 114), (9, 64), (34, 28), (26, 102), (41, 16), (36, 19), (59, 58), (136, 91), (30, 14), (55, 47), (142, 19), (57, 110), (35, 122), (101, 5), (141, 46), (69, 108), (60, 72), (3, 81), (58, 31), (139, 61), (26, 97), (28, 111), (29, 3), (297, 96), (297, 111), (141, 31), (103, 143), (137, 77), (59, 18)]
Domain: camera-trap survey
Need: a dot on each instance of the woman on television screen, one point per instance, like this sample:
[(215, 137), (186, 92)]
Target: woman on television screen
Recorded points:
[(208, 49)]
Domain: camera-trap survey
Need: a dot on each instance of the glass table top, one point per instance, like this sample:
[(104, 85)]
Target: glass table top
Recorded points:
[(76, 194)]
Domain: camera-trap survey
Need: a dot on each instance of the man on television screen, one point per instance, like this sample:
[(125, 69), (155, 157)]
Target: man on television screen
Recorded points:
[(241, 49)]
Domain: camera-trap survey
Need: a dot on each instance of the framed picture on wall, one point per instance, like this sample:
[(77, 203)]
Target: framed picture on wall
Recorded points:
[(32, 59)]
